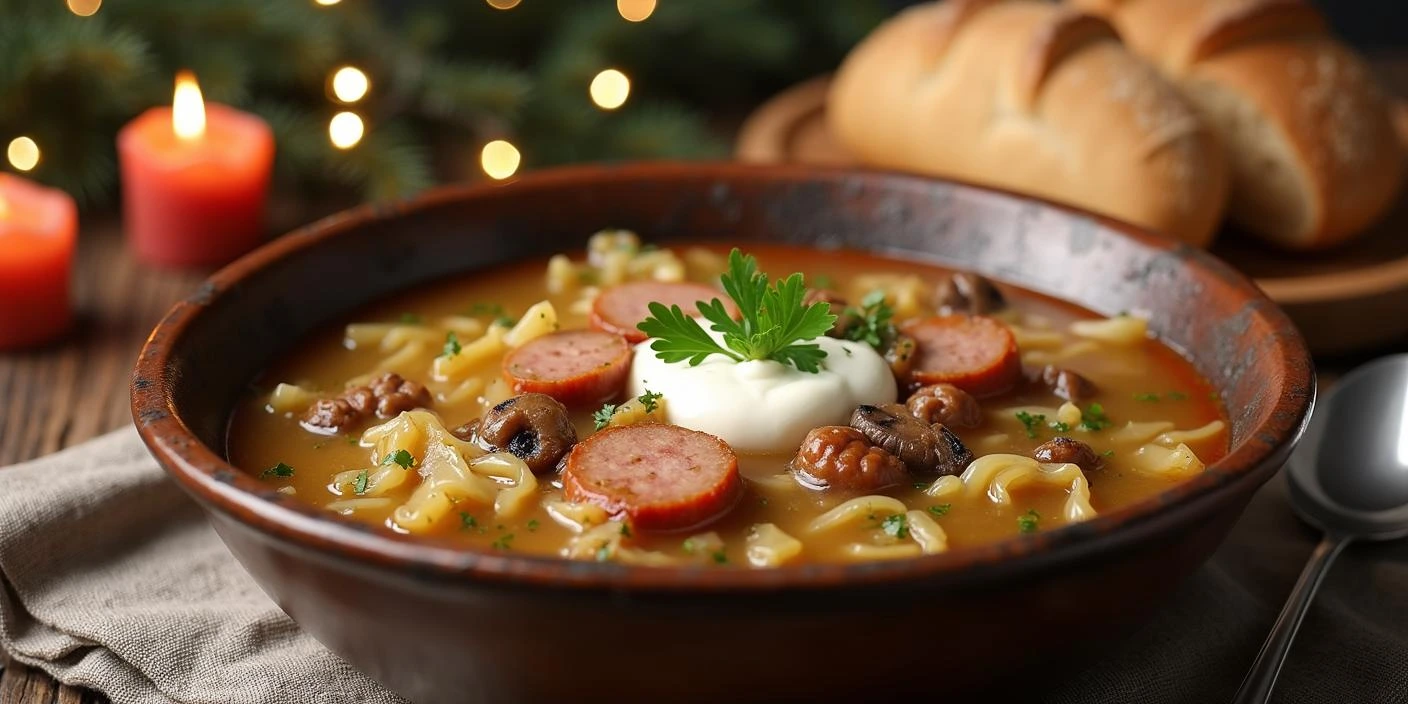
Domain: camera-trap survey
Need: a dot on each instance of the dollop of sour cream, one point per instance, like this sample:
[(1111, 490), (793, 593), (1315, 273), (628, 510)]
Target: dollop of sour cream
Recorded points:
[(762, 406)]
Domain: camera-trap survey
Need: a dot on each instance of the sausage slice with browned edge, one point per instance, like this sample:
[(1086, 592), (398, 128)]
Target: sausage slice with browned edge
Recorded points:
[(580, 368), (972, 352), (621, 308), (657, 477)]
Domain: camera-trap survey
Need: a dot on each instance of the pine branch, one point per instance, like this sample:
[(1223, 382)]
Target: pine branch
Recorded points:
[(459, 91)]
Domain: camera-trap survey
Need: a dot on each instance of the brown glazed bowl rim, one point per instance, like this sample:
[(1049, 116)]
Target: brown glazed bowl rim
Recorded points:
[(204, 472)]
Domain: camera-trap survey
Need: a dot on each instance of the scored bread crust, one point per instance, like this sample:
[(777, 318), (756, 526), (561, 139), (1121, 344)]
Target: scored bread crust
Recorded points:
[(1031, 97), (1309, 134)]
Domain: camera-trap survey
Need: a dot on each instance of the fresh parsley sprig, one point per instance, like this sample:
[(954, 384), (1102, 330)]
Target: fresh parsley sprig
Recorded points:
[(871, 322), (775, 323)]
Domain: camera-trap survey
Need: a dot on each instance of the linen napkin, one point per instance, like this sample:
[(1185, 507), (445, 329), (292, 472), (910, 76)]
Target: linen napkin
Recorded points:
[(113, 581)]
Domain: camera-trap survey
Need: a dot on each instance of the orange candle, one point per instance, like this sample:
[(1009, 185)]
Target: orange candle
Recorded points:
[(38, 229), (194, 180)]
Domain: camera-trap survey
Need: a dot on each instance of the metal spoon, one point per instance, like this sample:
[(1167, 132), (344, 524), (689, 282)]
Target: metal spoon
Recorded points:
[(1349, 478)]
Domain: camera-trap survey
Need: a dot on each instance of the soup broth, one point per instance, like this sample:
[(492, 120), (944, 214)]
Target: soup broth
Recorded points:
[(1146, 420)]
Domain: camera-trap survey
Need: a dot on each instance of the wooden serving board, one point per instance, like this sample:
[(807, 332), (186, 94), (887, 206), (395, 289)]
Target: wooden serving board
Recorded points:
[(1350, 299)]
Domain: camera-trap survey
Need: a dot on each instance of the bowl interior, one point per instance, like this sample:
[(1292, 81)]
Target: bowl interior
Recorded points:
[(211, 346)]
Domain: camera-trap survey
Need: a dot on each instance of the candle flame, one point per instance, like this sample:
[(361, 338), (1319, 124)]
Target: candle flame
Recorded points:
[(187, 107)]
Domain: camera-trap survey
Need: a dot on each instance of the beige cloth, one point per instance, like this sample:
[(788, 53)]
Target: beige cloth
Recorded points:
[(112, 580)]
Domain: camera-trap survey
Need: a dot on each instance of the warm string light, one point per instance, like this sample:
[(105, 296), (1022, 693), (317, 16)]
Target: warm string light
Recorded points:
[(345, 129), (635, 10), (84, 8), (503, 4), (326, 3), (610, 89), (23, 153), (350, 84), (187, 107), (499, 159)]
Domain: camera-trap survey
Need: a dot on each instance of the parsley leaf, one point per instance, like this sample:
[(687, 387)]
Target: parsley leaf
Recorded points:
[(503, 542), (467, 521), (1094, 418), (650, 400), (360, 484), (720, 557), (896, 526), (872, 321), (1108, 453), (452, 344), (532, 524), (602, 416), (941, 509), (278, 470), (1059, 426), (1028, 522), (1031, 422), (625, 530), (400, 457), (1147, 396), (776, 322)]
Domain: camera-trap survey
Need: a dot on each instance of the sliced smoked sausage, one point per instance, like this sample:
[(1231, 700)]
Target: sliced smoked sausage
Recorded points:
[(657, 477), (974, 353), (580, 368), (621, 308)]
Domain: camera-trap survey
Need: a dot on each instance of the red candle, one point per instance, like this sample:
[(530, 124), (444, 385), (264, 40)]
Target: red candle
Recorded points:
[(38, 228), (194, 180)]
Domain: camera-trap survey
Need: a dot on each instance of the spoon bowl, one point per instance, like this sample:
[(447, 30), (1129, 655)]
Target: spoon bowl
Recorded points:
[(1349, 478)]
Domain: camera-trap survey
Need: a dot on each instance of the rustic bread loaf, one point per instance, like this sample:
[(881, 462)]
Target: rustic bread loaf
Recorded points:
[(1309, 135), (1035, 98)]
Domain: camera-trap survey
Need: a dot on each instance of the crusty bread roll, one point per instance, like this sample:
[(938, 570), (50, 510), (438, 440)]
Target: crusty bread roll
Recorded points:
[(1031, 97), (1308, 133)]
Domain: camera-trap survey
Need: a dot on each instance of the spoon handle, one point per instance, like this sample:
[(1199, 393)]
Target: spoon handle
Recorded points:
[(1256, 688)]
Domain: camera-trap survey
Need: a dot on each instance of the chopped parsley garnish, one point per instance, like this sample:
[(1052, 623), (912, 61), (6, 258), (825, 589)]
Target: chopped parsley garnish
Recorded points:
[(1149, 397), (359, 485), (941, 509), (278, 470), (1176, 396), (1094, 418), (1152, 396), (411, 319), (503, 542), (872, 326), (650, 400), (452, 344), (1059, 426), (1108, 453), (353, 439), (720, 557), (1031, 422), (776, 322), (467, 522), (400, 457), (532, 524), (896, 526), (1028, 522), (505, 321), (602, 416), (625, 530)]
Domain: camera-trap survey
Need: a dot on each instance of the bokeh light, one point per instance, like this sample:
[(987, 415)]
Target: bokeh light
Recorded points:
[(610, 89), (84, 8), (500, 159), (326, 3), (635, 10), (23, 153), (345, 129), (503, 4), (350, 84)]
